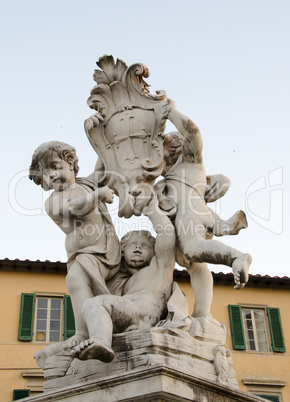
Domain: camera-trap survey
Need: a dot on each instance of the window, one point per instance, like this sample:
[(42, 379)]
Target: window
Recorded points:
[(48, 320), (45, 319), (255, 330), (249, 328)]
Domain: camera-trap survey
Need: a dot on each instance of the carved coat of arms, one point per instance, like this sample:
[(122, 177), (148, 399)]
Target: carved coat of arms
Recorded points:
[(127, 132)]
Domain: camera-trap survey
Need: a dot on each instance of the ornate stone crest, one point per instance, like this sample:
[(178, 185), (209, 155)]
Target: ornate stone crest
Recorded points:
[(126, 132)]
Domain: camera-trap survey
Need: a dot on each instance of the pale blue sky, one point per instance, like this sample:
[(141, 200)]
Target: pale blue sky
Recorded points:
[(225, 63)]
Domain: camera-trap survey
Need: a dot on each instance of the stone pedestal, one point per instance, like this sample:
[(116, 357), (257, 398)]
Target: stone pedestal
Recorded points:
[(192, 352), (156, 384), (160, 364)]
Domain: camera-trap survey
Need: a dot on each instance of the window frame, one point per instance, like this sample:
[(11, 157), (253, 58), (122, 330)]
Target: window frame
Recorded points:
[(252, 310), (48, 318)]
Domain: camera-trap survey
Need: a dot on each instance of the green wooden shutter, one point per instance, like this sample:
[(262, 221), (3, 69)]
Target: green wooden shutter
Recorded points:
[(20, 393), (69, 320), (237, 328), (25, 332), (276, 329)]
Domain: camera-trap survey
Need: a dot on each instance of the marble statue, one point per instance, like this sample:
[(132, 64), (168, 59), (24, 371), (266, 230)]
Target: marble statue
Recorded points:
[(195, 222), (120, 289), (146, 293), (126, 132), (223, 363), (187, 177), (77, 206)]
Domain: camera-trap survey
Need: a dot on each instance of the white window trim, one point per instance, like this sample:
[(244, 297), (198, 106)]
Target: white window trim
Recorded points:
[(49, 295), (254, 329), (271, 387), (253, 306), (34, 380)]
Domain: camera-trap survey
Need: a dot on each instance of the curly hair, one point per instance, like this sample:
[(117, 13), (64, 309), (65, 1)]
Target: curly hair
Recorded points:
[(63, 150)]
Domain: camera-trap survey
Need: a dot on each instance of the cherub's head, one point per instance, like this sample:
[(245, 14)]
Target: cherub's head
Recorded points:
[(137, 250), (54, 165), (172, 147)]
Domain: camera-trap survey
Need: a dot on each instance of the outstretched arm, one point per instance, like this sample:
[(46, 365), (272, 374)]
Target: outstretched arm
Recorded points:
[(192, 145), (165, 239)]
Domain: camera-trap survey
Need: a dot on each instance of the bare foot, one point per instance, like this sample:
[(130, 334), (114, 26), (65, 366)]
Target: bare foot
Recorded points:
[(240, 270), (73, 342), (54, 348), (93, 349), (41, 355)]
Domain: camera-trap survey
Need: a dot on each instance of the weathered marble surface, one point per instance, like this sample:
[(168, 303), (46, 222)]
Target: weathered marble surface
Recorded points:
[(121, 290), (154, 384), (78, 207), (127, 131), (153, 365), (174, 348), (192, 351)]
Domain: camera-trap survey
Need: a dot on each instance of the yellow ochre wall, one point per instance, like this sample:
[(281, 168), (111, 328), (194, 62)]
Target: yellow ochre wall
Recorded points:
[(16, 357), (252, 364), (272, 366)]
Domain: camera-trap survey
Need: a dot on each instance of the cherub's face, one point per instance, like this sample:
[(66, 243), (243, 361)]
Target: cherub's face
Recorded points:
[(138, 252), (57, 174)]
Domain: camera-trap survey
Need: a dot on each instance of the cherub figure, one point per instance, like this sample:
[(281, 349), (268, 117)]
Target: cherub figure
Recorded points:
[(144, 302), (195, 222), (78, 208), (223, 363)]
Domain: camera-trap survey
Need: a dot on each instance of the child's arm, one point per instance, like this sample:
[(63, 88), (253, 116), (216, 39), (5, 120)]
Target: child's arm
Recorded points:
[(165, 239), (58, 206), (82, 206), (188, 129)]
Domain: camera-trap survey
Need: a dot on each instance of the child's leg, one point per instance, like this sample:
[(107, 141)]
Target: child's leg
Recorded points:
[(104, 315), (198, 249), (79, 286), (86, 278), (202, 285), (97, 271)]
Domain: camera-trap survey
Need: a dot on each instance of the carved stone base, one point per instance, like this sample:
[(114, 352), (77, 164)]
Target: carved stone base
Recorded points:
[(193, 354), (161, 364), (155, 384)]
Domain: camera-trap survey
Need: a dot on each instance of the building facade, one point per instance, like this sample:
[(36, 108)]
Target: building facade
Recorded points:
[(36, 310)]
